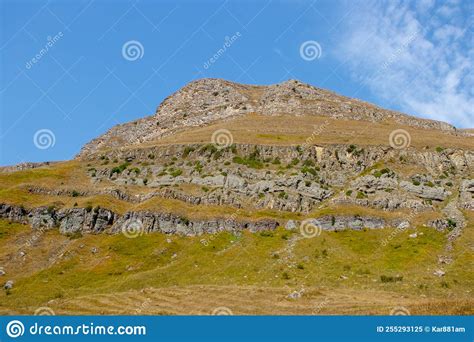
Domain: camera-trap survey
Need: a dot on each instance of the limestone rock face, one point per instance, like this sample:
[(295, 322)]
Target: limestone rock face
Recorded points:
[(83, 220), (427, 192), (207, 100), (467, 194)]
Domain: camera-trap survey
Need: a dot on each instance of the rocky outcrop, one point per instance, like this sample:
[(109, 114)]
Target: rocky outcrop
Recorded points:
[(98, 220), (25, 166), (335, 223), (205, 101), (466, 194), (427, 192)]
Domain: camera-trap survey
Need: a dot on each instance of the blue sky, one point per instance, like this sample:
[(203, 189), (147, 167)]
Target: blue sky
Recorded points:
[(70, 70)]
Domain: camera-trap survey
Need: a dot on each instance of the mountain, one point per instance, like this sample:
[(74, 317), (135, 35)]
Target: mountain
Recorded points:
[(282, 199), (208, 100)]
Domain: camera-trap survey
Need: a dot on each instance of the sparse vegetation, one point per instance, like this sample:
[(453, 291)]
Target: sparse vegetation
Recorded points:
[(390, 279), (119, 169)]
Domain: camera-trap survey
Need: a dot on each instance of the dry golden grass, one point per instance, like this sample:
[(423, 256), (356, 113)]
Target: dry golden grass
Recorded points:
[(293, 130), (141, 276), (252, 300)]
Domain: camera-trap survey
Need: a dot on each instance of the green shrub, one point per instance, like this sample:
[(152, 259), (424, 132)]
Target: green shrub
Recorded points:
[(198, 166), (430, 184), (176, 172), (120, 168), (351, 148), (250, 162), (451, 224), (310, 170), (208, 148)]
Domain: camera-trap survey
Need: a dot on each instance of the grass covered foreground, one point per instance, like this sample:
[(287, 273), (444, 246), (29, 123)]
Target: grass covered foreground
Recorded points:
[(278, 272)]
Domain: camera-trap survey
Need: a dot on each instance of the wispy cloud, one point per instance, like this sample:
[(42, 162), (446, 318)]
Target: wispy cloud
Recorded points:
[(415, 55)]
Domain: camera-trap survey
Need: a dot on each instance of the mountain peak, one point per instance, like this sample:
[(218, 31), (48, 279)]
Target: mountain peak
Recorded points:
[(204, 101)]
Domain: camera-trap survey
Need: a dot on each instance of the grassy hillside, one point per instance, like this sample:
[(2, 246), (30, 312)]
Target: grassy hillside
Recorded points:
[(339, 272), (293, 130)]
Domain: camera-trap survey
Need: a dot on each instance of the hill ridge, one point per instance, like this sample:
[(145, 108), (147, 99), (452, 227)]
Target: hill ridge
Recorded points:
[(208, 100)]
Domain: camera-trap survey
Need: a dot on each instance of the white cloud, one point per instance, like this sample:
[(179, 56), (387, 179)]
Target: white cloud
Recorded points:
[(415, 55)]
